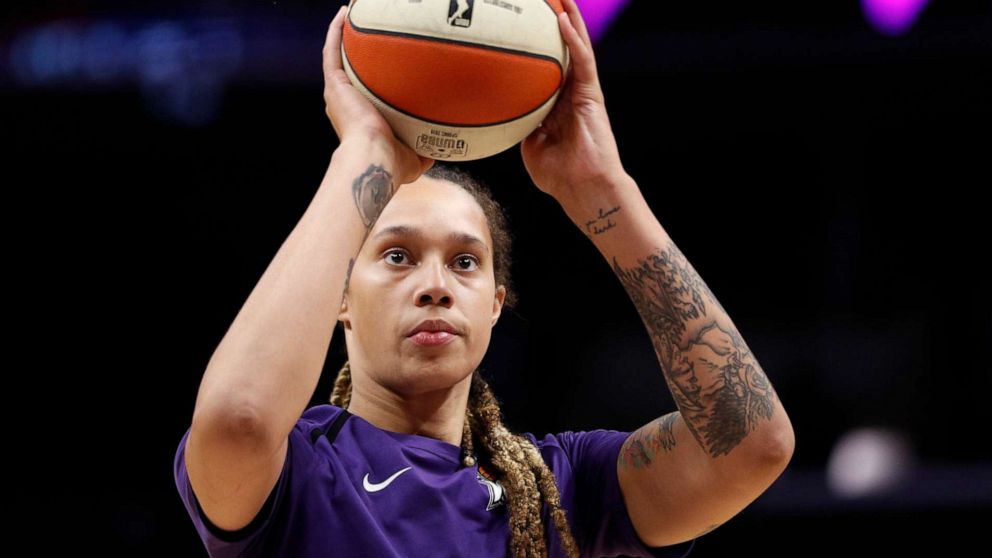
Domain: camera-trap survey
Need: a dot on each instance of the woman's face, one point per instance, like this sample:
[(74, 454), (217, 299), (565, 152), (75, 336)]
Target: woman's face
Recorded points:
[(419, 262)]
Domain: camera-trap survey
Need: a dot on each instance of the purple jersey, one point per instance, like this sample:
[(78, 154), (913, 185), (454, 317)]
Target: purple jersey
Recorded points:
[(349, 488)]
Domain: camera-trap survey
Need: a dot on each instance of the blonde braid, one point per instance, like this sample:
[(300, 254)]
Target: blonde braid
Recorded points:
[(525, 476), (512, 459), (341, 395)]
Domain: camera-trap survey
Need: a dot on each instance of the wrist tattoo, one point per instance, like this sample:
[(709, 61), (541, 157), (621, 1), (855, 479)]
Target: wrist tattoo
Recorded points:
[(601, 222), (372, 191)]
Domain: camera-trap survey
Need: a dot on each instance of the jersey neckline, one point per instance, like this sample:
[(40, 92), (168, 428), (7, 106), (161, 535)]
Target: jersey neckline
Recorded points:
[(446, 450)]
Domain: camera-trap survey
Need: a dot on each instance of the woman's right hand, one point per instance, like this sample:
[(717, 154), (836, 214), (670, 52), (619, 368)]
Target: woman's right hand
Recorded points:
[(353, 116)]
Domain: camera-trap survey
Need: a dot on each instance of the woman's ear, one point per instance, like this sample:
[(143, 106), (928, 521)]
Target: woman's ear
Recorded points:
[(498, 303)]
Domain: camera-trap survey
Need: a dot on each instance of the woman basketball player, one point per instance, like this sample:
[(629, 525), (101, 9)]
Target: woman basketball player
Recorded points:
[(411, 457)]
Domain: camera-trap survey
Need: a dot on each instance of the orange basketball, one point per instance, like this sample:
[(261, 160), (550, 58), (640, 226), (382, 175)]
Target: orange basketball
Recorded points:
[(457, 79)]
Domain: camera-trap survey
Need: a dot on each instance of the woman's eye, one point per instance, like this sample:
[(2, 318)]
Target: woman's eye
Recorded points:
[(397, 256), (392, 253), (470, 259)]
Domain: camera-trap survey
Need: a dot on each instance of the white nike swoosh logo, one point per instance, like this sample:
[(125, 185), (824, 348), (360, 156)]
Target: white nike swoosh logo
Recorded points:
[(376, 487)]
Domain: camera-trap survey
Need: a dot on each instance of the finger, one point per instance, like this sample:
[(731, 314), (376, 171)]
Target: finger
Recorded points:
[(575, 16), (583, 62), (332, 43)]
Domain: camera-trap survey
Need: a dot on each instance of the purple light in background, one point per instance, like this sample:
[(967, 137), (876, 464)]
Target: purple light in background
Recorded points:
[(599, 14), (892, 17)]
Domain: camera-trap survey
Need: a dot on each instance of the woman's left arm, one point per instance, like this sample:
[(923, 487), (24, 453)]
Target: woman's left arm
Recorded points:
[(689, 471)]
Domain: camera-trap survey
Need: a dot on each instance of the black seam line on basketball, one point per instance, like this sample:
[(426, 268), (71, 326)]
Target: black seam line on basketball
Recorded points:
[(550, 7), (452, 124), (453, 42), (438, 122)]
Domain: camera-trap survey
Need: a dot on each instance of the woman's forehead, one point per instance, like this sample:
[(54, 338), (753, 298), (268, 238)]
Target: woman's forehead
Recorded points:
[(435, 208)]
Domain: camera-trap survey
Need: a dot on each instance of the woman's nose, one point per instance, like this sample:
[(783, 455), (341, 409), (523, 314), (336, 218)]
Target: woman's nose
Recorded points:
[(434, 286)]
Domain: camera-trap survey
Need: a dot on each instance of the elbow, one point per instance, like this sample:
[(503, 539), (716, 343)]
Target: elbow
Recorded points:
[(771, 454), (788, 447), (780, 440), (772, 446), (232, 421), (781, 446)]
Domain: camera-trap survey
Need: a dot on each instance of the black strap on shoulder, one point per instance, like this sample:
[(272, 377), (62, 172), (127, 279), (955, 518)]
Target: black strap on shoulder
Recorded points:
[(332, 431)]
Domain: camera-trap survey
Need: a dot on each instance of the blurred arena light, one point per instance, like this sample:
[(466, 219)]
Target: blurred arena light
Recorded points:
[(181, 66), (892, 17), (869, 461)]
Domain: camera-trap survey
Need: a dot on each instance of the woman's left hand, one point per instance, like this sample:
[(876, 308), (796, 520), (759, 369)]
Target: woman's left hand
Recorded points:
[(574, 149)]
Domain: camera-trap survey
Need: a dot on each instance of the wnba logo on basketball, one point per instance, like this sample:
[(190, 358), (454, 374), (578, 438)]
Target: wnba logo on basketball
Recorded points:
[(460, 13)]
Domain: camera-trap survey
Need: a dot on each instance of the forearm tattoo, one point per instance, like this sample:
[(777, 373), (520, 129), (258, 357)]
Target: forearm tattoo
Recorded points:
[(372, 191), (720, 389)]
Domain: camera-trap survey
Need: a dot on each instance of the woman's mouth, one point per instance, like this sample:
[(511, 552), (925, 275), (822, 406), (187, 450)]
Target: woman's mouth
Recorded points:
[(432, 338)]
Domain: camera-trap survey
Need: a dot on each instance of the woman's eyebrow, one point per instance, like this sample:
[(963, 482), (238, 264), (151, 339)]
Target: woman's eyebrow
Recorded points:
[(406, 230)]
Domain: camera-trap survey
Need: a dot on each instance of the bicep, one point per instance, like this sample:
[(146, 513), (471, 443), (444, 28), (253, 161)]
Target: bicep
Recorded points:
[(232, 474), (675, 492)]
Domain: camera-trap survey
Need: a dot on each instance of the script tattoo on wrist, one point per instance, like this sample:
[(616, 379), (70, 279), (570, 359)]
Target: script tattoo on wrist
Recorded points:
[(601, 222)]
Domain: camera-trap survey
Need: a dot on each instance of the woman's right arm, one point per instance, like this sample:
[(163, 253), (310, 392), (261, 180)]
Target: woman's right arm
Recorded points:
[(265, 369)]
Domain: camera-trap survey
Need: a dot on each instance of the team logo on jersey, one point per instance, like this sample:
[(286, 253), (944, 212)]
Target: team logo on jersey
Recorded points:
[(460, 13), (497, 495)]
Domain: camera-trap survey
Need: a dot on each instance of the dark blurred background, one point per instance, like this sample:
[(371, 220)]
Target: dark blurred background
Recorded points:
[(824, 172)]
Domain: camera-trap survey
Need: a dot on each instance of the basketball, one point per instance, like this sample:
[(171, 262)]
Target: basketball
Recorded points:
[(457, 79)]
